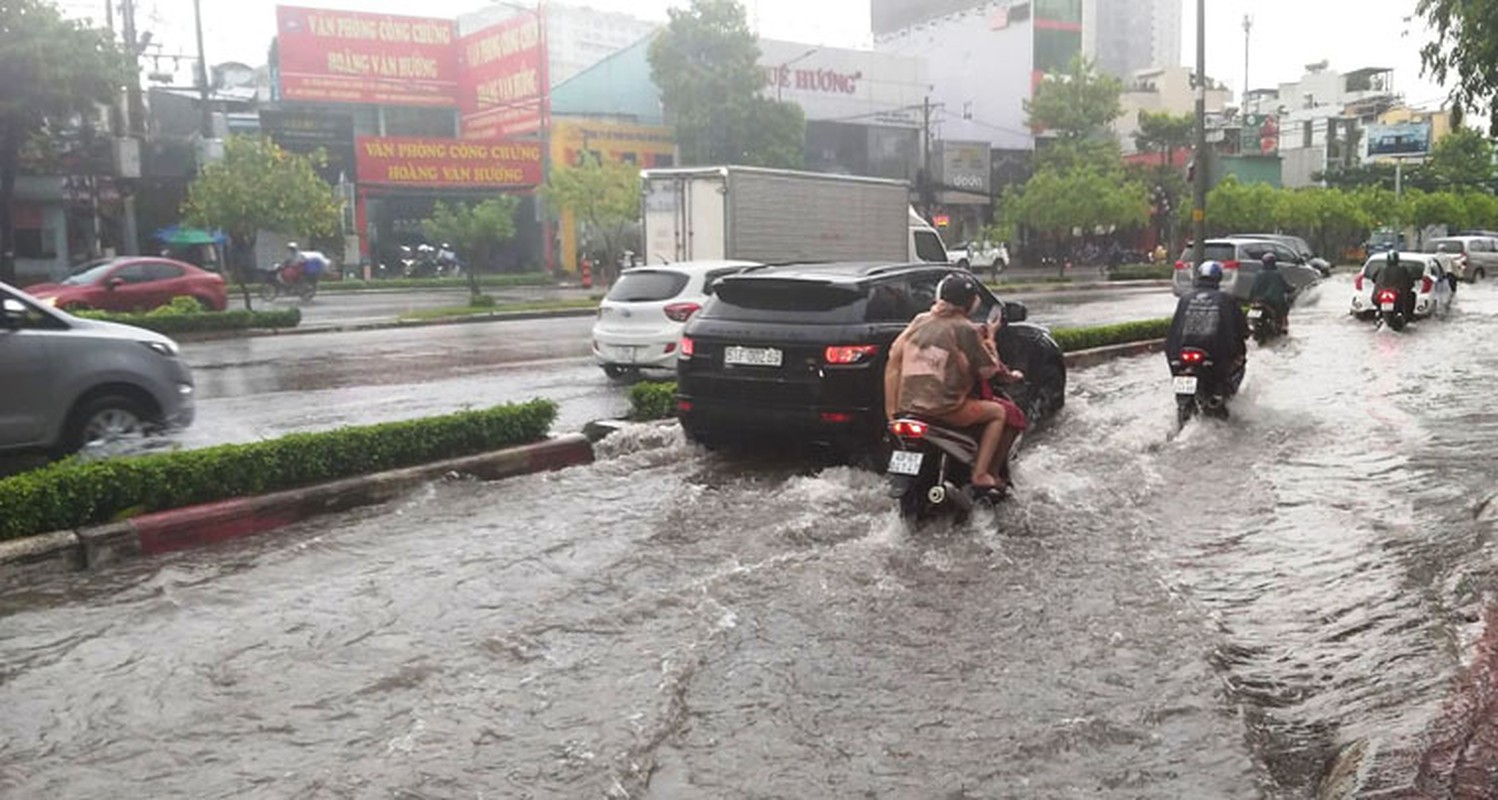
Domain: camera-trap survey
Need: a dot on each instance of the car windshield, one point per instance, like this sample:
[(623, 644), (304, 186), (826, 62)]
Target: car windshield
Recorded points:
[(89, 273), (644, 286), (1216, 251)]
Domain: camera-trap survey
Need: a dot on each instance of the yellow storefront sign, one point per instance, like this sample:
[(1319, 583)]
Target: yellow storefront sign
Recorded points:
[(643, 145)]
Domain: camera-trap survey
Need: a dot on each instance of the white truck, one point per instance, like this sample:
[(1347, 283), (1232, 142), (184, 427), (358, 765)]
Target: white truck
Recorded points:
[(774, 216)]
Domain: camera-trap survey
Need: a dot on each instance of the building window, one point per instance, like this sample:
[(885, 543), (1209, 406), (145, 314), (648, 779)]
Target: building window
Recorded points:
[(1308, 133)]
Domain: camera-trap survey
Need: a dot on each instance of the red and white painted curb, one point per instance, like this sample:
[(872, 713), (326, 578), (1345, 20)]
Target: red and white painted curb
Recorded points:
[(202, 525)]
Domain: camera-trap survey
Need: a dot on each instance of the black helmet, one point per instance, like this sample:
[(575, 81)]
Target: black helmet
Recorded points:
[(1392, 257), (958, 289), (1270, 260)]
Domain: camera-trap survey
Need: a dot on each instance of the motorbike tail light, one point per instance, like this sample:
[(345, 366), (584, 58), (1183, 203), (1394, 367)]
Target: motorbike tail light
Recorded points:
[(1231, 264), (908, 429), (686, 348), (837, 417), (1193, 356), (852, 354), (1180, 265), (681, 312), (1427, 285), (1388, 296), (1357, 283)]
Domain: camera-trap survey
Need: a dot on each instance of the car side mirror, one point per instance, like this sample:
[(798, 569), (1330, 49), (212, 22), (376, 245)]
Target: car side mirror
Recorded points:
[(1016, 312), (12, 314), (114, 283)]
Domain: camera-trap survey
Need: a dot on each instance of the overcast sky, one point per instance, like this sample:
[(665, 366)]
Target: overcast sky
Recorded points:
[(1287, 35)]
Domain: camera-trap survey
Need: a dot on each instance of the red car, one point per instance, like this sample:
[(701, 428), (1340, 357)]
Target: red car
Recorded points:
[(133, 283)]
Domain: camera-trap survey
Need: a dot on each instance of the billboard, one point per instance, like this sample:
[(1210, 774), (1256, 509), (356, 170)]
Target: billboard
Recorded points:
[(503, 78), (1260, 135), (965, 167), (1405, 139), (838, 84), (308, 130), (447, 163), (354, 57)]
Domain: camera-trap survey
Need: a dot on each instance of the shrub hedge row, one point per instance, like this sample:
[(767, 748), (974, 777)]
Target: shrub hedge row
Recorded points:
[(486, 281), (1142, 272), (652, 400), (658, 400), (73, 493), (1073, 339), (201, 321)]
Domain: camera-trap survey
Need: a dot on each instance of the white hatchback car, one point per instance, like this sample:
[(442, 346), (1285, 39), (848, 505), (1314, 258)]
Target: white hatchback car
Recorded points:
[(1433, 292), (641, 319)]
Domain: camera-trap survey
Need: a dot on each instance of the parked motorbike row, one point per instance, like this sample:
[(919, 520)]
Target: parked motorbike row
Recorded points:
[(426, 261)]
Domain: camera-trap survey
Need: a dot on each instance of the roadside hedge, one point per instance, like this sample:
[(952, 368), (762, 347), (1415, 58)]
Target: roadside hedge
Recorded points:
[(1073, 339), (74, 493), (652, 400), (1142, 272), (198, 321), (485, 281)]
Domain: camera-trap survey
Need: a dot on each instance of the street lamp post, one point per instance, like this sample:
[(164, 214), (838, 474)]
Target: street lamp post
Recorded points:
[(780, 70), (1199, 199)]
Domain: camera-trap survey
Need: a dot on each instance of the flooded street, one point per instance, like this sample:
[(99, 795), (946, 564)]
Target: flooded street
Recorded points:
[(1275, 607)]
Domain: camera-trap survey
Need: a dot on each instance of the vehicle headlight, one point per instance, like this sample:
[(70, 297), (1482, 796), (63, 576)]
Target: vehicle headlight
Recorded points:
[(167, 348), (49, 302)]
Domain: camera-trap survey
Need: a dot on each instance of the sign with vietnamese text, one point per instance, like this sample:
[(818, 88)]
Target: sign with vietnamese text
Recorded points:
[(448, 163), (503, 83), (354, 57)]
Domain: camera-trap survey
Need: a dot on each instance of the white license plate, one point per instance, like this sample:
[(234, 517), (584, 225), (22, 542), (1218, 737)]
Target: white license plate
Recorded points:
[(1256, 313), (1185, 384), (752, 356), (904, 462), (1386, 306)]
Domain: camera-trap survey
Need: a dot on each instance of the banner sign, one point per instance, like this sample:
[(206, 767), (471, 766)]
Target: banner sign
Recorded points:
[(308, 130), (503, 78), (1260, 135), (355, 57), (448, 163)]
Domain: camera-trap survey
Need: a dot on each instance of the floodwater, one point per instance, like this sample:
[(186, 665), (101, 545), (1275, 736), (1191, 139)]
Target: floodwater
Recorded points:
[(1281, 606)]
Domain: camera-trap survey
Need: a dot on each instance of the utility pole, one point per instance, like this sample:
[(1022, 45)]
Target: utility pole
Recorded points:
[(1199, 163), (925, 187), (135, 105), (1248, 30), (205, 110)]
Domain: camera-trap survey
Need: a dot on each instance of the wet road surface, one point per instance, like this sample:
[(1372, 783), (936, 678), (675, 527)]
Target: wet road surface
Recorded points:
[(1276, 607), (369, 307)]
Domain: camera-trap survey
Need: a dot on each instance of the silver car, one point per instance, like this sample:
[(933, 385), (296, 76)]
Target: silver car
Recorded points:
[(1242, 260), (71, 382)]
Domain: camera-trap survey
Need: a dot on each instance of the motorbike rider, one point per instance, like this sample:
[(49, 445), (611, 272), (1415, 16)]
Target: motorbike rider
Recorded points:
[(933, 366), (310, 264), (1273, 291), (1395, 274), (1209, 319)]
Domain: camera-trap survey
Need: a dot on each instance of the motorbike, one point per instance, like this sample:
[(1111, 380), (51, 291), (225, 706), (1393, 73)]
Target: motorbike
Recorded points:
[(931, 468), (1264, 322), (279, 279), (1196, 387), (1390, 309)]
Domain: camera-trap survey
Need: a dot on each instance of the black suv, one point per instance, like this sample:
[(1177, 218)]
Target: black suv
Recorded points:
[(797, 353)]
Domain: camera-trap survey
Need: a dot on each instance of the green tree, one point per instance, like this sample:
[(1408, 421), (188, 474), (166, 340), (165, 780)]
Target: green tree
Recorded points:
[(476, 231), (1463, 159), (1164, 133), (52, 69), (604, 198), (1057, 203), (1464, 53), (1077, 104), (258, 186), (706, 63)]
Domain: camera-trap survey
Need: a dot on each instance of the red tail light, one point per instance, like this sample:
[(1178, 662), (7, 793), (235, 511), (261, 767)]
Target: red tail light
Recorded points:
[(1180, 265), (836, 417), (1427, 285), (686, 349), (683, 405), (1357, 283), (681, 312), (1388, 296), (1231, 264), (908, 429), (1193, 356), (852, 354), (670, 348)]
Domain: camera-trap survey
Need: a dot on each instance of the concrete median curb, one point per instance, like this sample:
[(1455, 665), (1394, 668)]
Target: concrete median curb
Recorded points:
[(308, 330), (1090, 358), (196, 526)]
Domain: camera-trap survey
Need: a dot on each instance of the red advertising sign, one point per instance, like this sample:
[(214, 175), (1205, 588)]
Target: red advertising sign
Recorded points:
[(448, 163), (503, 83), (354, 57)]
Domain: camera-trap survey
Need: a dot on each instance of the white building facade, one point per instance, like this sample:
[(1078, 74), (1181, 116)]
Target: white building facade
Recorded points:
[(1126, 36)]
